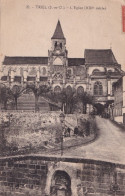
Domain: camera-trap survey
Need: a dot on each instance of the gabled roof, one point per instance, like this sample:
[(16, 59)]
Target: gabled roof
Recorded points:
[(24, 60), (99, 57), (58, 34), (76, 61)]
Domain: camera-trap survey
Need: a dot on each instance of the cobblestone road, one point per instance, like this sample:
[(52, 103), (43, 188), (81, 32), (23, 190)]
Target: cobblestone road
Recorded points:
[(109, 145)]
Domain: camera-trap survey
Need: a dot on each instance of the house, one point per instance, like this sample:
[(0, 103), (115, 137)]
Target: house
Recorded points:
[(119, 100)]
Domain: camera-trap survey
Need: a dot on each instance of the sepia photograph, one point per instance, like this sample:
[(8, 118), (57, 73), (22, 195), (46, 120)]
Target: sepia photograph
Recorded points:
[(62, 98)]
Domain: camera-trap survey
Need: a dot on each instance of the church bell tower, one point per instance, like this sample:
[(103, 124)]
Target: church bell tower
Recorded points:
[(58, 53)]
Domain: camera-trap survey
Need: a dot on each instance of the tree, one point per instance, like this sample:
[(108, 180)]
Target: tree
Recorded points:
[(66, 97), (40, 90), (55, 98), (16, 92), (10, 94), (5, 95), (70, 99), (85, 98)]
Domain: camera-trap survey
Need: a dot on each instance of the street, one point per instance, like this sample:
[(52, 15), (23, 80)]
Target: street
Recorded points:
[(109, 145)]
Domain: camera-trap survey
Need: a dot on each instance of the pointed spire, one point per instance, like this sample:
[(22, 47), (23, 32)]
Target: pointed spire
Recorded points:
[(58, 34)]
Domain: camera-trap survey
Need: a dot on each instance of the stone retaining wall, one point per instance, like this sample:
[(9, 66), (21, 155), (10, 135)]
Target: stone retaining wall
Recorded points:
[(25, 131)]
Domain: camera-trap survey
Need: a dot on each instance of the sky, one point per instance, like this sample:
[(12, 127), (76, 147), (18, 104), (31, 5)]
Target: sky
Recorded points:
[(28, 25)]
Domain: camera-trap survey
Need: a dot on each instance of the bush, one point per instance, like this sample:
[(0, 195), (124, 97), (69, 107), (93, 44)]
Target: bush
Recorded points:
[(86, 127)]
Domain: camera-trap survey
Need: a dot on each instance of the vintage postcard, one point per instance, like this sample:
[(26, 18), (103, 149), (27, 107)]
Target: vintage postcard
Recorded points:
[(62, 98)]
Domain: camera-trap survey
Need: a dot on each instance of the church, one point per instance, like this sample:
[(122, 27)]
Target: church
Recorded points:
[(95, 73)]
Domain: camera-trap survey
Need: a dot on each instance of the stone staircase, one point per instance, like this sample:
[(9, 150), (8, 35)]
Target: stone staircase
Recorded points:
[(27, 102)]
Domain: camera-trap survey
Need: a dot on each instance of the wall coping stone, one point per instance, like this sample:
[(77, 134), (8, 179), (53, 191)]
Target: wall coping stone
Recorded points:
[(59, 158)]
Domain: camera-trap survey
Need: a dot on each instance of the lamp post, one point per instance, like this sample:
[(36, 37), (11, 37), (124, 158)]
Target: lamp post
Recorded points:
[(9, 118), (62, 120), (112, 108), (1, 85)]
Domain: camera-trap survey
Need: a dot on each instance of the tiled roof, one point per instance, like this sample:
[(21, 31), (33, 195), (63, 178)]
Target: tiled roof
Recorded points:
[(76, 61), (24, 60), (58, 34), (99, 57)]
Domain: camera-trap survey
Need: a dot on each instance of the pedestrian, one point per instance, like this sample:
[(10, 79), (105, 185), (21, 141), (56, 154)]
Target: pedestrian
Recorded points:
[(68, 130), (76, 131), (65, 131)]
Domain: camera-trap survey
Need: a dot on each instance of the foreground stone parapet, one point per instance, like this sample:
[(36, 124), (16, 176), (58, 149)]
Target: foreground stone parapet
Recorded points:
[(42, 175)]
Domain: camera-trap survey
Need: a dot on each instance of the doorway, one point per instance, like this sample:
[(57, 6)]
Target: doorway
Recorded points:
[(60, 184)]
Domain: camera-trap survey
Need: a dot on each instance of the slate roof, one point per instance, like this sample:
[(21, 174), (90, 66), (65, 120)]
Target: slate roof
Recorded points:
[(38, 60), (24, 60), (76, 61), (58, 34), (99, 57)]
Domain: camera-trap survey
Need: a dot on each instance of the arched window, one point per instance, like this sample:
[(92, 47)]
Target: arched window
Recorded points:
[(55, 44), (57, 89), (32, 71), (68, 90), (61, 45), (98, 89), (80, 90), (95, 71)]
